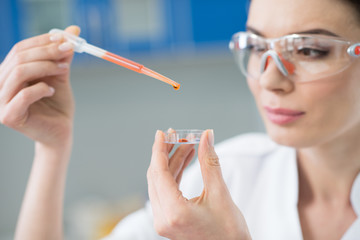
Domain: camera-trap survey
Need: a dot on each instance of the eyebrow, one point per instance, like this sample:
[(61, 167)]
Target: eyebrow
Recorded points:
[(318, 31), (253, 30)]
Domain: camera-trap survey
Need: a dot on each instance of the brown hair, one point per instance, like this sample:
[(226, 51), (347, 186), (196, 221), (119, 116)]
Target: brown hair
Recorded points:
[(356, 5)]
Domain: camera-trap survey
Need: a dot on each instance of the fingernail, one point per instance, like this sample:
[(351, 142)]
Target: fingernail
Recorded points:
[(211, 137), (170, 130), (66, 46), (63, 65), (55, 37), (157, 134), (52, 90)]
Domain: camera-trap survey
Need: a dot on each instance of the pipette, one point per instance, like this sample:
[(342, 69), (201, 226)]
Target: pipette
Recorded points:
[(81, 46)]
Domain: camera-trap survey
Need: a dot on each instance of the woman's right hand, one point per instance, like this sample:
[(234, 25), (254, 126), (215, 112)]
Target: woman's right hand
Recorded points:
[(35, 92), (212, 215)]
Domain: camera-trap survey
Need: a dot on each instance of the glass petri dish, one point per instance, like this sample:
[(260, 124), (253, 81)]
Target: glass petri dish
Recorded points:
[(184, 136)]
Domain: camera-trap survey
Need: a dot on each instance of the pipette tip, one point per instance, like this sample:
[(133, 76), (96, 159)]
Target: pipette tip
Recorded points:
[(176, 87)]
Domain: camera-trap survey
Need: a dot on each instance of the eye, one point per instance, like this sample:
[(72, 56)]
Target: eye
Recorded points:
[(312, 53), (257, 49)]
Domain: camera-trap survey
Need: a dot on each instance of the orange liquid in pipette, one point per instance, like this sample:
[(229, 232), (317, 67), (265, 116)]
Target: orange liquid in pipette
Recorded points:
[(138, 68)]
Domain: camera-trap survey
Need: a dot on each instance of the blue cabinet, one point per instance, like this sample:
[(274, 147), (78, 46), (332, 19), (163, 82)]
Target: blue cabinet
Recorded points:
[(9, 25), (127, 26)]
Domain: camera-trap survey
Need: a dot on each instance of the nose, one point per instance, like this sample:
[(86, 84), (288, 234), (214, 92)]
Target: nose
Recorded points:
[(285, 67)]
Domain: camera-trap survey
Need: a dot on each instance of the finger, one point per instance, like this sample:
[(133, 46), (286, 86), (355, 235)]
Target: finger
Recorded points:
[(28, 43), (73, 29), (54, 52), (178, 158), (163, 181), (154, 201), (209, 163), (186, 163), (23, 74), (43, 47), (32, 42), (23, 45), (15, 113), (170, 146), (41, 40), (37, 41), (160, 149)]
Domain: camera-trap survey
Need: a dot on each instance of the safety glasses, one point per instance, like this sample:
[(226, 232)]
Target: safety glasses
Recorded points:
[(299, 57)]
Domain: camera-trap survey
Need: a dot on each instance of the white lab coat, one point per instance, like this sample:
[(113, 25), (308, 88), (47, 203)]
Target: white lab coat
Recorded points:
[(262, 178)]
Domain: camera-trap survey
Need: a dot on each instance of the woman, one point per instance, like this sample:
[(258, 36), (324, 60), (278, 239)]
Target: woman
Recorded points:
[(302, 184)]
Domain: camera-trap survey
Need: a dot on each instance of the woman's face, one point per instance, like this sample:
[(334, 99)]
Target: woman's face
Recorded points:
[(312, 113)]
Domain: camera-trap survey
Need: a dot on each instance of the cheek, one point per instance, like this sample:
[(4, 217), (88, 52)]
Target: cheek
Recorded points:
[(333, 109), (254, 88), (321, 101), (319, 95), (337, 97)]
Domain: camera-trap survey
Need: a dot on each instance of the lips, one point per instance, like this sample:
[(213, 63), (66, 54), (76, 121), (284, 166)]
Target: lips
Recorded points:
[(283, 116)]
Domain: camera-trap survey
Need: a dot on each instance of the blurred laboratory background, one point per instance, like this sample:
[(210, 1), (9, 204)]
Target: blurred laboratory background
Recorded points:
[(118, 111)]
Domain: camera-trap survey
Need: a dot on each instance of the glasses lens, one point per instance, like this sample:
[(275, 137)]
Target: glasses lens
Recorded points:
[(312, 57), (248, 49), (316, 58)]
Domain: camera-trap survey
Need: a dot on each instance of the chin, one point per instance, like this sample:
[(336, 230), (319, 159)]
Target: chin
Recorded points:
[(291, 136)]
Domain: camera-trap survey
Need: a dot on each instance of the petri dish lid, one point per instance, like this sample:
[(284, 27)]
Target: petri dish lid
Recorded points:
[(184, 136)]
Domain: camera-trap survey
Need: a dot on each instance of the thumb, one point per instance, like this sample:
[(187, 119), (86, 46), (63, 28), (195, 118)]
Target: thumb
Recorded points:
[(73, 29), (209, 163)]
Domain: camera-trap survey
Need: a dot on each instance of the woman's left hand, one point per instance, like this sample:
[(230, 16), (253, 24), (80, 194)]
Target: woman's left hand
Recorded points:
[(212, 215)]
